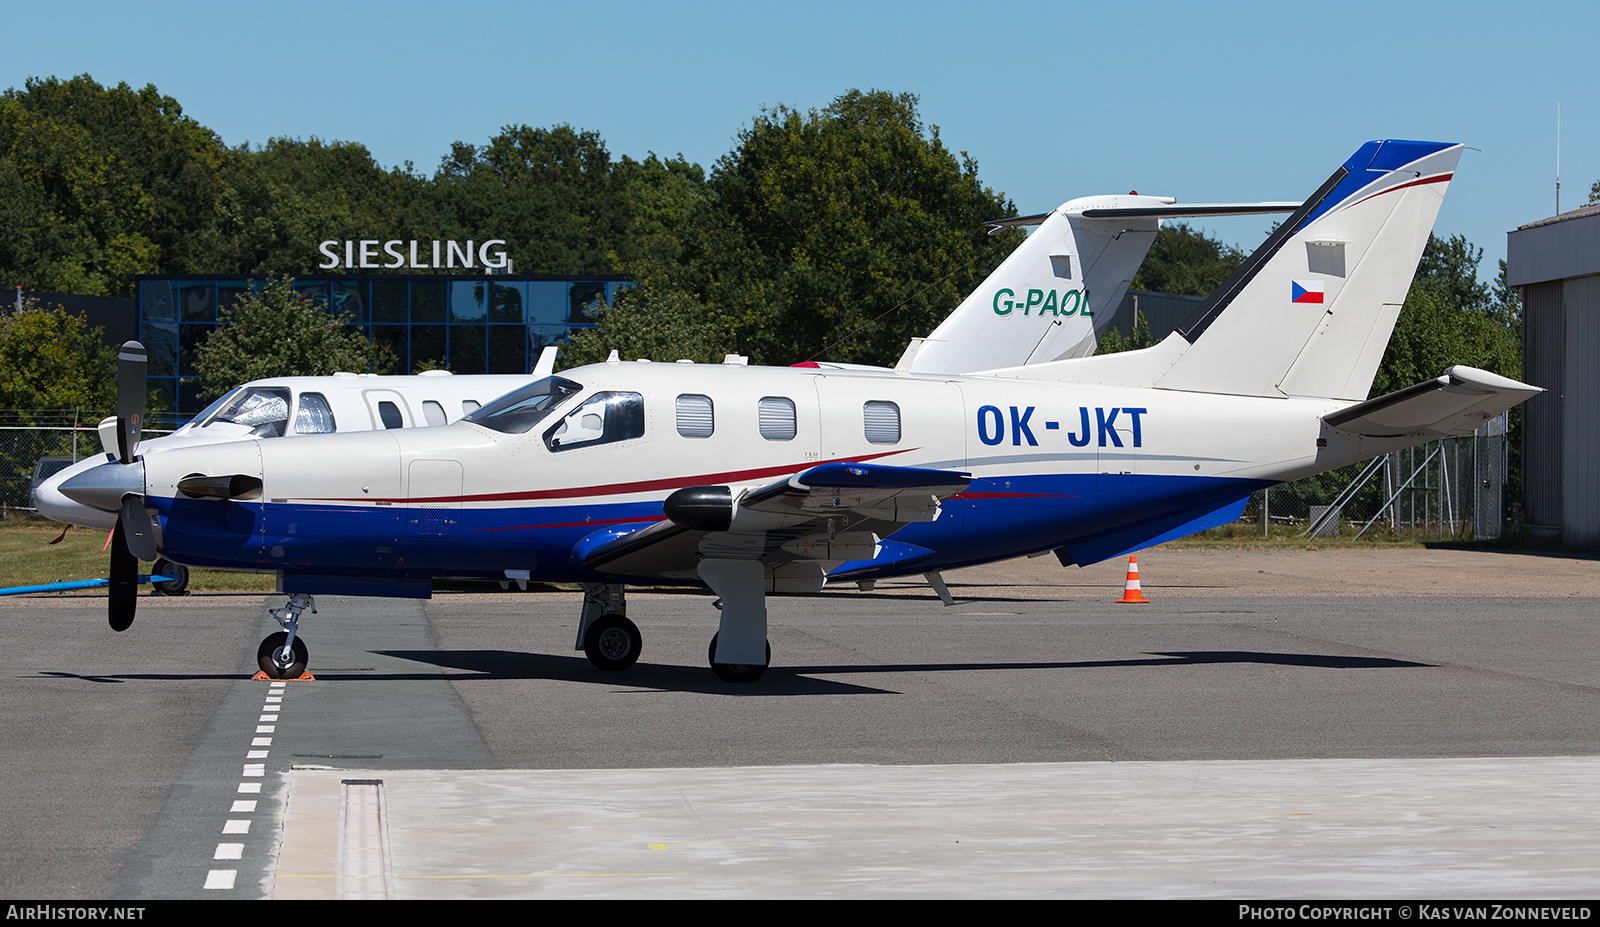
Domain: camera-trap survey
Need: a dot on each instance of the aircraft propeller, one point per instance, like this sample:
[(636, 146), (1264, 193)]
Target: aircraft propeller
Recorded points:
[(119, 487)]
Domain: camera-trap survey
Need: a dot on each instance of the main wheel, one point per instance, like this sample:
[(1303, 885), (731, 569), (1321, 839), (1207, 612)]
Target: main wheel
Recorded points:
[(268, 656), (612, 642), (171, 586), (736, 672)]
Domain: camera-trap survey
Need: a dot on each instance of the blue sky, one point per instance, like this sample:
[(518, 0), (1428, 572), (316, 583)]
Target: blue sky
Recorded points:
[(1225, 101)]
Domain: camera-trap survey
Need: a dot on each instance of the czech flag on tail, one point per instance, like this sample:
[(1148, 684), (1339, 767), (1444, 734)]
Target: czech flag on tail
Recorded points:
[(1305, 291)]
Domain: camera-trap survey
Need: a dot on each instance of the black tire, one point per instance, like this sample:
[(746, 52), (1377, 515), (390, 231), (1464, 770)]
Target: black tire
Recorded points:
[(172, 586), (266, 657), (612, 643), (736, 672)]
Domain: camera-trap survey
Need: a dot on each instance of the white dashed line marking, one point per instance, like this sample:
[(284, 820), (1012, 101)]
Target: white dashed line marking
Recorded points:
[(229, 851), (265, 724)]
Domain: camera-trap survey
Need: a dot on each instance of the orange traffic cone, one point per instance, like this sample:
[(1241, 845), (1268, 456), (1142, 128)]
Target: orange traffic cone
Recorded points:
[(1130, 591)]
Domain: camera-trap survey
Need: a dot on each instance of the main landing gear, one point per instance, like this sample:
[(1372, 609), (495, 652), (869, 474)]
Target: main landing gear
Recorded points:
[(605, 635), (736, 672), (282, 655), (612, 642)]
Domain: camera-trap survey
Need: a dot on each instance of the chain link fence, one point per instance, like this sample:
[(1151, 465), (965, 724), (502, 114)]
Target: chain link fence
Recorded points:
[(34, 445), (1450, 489)]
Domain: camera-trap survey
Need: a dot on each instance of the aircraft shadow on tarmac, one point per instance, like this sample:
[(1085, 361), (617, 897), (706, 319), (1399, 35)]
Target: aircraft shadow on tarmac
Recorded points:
[(800, 680)]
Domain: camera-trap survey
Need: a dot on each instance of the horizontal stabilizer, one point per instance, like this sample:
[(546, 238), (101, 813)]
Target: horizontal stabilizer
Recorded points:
[(1171, 210), (1190, 210), (1453, 404)]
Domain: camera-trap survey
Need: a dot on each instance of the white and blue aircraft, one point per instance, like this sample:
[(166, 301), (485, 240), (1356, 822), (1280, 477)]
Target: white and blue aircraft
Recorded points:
[(756, 481)]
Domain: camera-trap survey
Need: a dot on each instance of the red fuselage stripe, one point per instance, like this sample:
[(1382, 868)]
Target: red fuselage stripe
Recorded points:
[(622, 489)]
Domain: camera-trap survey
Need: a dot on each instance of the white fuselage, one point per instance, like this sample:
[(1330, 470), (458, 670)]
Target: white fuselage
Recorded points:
[(1095, 470)]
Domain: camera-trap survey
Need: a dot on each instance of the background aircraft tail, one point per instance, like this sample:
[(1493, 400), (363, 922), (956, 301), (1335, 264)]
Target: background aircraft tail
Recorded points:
[(1055, 293), (1311, 311)]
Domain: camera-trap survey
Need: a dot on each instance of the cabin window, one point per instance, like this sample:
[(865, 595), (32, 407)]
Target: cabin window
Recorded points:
[(695, 416), (777, 418), (389, 414), (432, 412), (882, 422), (314, 417), (601, 419)]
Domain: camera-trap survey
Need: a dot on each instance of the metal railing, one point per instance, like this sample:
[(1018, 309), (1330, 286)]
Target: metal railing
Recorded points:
[(1453, 488)]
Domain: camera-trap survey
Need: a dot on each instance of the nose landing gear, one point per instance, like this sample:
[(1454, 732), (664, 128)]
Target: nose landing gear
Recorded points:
[(282, 655)]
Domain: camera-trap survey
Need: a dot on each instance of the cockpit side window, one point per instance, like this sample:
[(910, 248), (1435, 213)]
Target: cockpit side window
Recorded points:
[(314, 417), (263, 409), (601, 419), (389, 414), (518, 411)]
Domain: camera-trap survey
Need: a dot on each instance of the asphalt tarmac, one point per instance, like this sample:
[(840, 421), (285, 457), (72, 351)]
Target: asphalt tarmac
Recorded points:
[(1436, 733)]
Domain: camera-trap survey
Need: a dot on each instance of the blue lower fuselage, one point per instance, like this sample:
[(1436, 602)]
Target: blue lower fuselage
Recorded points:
[(1090, 517)]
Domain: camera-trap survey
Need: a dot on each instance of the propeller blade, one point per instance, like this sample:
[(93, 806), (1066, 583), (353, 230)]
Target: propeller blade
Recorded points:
[(124, 581), (131, 363), (137, 531)]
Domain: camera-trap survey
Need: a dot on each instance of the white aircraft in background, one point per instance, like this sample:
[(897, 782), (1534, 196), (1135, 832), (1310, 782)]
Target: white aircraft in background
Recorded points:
[(756, 480), (298, 406)]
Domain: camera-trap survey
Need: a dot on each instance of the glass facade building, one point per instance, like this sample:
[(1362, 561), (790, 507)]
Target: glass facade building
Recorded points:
[(462, 323)]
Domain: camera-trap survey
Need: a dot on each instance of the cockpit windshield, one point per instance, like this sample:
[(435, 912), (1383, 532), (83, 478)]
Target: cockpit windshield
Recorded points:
[(200, 421), (262, 409), (519, 410)]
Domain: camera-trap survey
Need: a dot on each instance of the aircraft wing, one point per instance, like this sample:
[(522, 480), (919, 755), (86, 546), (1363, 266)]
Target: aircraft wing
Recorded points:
[(834, 512), (1453, 404)]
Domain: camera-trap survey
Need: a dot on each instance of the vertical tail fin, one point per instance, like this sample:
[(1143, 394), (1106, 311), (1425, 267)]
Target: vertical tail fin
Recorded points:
[(1311, 311)]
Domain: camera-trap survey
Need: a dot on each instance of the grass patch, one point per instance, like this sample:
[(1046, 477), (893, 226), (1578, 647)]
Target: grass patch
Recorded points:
[(27, 558)]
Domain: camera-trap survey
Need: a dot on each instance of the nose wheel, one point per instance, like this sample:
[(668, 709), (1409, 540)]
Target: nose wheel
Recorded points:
[(283, 655), (279, 658)]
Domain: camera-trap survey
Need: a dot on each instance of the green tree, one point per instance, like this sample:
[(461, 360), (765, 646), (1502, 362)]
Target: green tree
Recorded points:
[(1433, 333), (1186, 262), (1450, 266), (550, 193), (839, 234), (50, 360), (1112, 342), (288, 196), (280, 332), (126, 182), (654, 323), (658, 195)]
